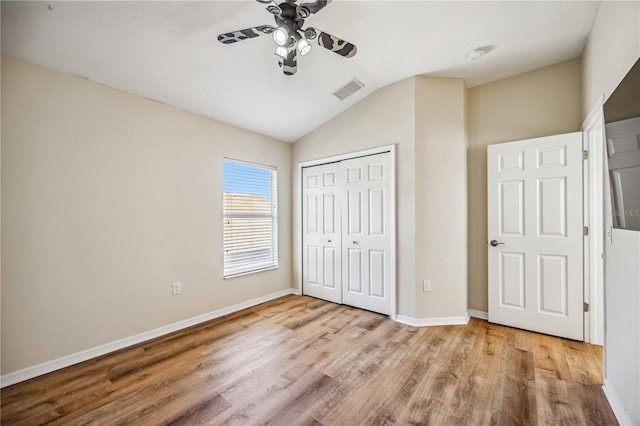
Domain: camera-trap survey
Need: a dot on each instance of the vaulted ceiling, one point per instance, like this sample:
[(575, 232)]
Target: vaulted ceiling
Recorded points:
[(168, 51)]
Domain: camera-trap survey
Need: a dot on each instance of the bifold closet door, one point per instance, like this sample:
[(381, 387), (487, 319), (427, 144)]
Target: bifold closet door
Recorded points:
[(366, 238), (346, 242), (321, 240)]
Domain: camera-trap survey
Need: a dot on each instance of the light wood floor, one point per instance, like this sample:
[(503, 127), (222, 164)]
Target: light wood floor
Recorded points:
[(298, 360)]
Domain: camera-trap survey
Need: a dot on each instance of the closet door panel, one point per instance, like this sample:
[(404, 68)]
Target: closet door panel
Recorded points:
[(365, 232), (322, 229)]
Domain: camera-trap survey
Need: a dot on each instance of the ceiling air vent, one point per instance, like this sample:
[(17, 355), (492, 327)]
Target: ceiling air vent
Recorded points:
[(348, 89)]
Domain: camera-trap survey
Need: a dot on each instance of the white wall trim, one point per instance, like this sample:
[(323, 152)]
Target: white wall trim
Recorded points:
[(616, 405), (66, 361), (346, 156), (595, 114), (297, 247), (593, 217), (428, 322), (478, 314)]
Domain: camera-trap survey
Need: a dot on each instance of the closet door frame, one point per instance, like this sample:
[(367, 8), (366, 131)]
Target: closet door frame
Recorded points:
[(391, 149)]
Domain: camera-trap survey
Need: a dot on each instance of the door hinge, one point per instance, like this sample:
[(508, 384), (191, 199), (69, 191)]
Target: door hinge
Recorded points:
[(585, 155), (585, 231), (585, 306)]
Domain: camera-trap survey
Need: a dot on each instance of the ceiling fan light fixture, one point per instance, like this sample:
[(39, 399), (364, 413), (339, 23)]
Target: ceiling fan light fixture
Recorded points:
[(304, 46), (291, 38), (281, 36), (281, 51)]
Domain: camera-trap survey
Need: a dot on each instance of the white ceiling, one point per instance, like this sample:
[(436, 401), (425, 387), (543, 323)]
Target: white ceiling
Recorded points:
[(167, 51)]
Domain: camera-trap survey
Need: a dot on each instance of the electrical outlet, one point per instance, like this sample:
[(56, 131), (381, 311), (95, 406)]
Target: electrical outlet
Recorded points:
[(426, 285), (177, 288)]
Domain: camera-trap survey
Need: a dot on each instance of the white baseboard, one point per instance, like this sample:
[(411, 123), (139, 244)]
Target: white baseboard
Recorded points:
[(427, 322), (616, 405), (478, 314), (66, 361)]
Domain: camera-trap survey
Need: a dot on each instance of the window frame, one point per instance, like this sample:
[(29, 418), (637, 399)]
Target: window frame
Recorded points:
[(256, 266)]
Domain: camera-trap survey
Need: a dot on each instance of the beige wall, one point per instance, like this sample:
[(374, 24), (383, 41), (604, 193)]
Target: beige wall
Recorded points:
[(441, 200), (539, 103), (612, 49), (107, 199), (384, 118), (425, 117)]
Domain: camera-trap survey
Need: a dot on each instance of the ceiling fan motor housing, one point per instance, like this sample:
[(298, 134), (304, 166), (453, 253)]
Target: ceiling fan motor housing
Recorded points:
[(290, 20), (289, 10)]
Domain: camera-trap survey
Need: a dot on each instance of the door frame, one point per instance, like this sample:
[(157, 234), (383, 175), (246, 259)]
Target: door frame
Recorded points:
[(594, 142), (391, 149)]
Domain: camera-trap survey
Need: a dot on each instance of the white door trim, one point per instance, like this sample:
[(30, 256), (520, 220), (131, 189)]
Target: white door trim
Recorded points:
[(298, 209), (593, 213)]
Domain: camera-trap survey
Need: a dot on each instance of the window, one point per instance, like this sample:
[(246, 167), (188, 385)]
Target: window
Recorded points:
[(250, 218)]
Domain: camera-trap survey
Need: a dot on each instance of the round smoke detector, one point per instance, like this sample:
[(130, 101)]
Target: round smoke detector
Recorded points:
[(476, 54)]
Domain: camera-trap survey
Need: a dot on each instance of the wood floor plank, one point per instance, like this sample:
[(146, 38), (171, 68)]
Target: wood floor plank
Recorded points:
[(585, 367), (292, 388), (430, 403), (594, 405), (44, 403), (380, 364), (32, 392), (473, 395), (295, 405), (175, 404), (556, 403), (515, 401), (549, 357), (302, 361), (201, 413), (218, 362)]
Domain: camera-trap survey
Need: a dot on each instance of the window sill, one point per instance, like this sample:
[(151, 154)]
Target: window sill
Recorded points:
[(241, 274)]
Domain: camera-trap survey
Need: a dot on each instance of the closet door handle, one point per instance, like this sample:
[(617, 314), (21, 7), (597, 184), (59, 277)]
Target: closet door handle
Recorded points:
[(355, 242), (328, 241)]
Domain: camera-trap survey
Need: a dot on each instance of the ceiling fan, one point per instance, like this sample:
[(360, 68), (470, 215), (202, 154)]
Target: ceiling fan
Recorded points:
[(289, 35)]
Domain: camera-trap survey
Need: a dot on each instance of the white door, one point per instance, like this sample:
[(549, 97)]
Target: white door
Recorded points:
[(623, 149), (346, 242), (321, 241), (366, 236), (536, 235)]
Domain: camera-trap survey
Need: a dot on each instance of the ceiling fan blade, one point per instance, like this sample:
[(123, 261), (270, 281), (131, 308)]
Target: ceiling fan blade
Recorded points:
[(235, 36), (290, 63), (335, 44), (315, 6)]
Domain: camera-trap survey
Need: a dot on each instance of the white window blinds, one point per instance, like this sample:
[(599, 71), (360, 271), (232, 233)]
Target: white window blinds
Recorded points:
[(250, 218)]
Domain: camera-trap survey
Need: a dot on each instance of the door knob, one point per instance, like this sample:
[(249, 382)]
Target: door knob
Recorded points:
[(328, 241), (355, 242), (494, 243)]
